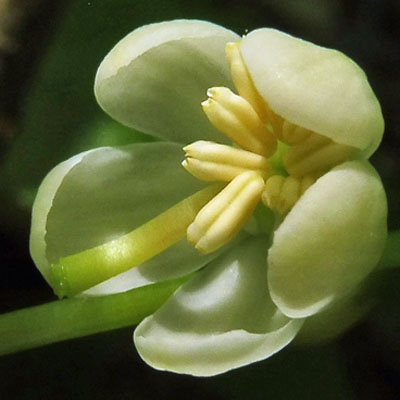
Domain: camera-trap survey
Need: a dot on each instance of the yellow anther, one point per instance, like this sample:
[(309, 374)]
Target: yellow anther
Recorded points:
[(220, 219), (272, 192), (281, 194), (210, 161), (234, 116), (306, 182), (243, 82), (315, 154)]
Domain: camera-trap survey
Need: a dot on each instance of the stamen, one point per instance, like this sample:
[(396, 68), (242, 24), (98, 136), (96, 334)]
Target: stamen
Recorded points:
[(271, 195), (210, 161), (234, 116), (315, 154), (245, 86), (306, 182), (220, 219), (281, 193), (243, 82), (293, 134)]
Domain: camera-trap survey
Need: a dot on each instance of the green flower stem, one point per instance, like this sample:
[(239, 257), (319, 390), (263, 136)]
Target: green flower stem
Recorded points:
[(76, 273), (72, 318), (391, 255)]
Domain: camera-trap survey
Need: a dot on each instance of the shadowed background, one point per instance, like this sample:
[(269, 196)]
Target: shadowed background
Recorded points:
[(49, 53)]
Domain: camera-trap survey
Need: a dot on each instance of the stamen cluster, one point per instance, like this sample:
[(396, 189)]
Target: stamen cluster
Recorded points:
[(249, 122)]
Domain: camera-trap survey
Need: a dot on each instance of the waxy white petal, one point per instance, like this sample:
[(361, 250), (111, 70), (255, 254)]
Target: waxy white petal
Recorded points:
[(175, 262), (331, 239), (315, 88), (102, 194), (222, 319), (155, 78)]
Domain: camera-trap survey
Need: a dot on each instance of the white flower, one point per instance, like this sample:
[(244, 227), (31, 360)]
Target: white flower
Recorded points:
[(306, 120)]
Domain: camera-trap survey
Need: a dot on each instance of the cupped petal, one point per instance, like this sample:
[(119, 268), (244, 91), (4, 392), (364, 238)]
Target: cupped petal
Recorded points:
[(314, 87), (220, 320), (175, 262), (102, 194), (41, 208), (336, 319), (331, 239), (155, 78)]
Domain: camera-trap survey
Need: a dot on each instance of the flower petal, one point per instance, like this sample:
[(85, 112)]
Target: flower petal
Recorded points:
[(331, 239), (155, 78), (222, 319), (177, 261), (316, 88), (102, 194), (336, 319), (41, 208)]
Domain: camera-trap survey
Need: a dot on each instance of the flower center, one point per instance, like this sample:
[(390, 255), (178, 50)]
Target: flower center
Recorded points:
[(250, 170)]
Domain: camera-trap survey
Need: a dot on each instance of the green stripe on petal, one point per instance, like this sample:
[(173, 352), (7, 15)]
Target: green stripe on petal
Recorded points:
[(220, 320), (316, 88), (103, 194), (78, 272), (178, 260), (331, 239), (156, 77)]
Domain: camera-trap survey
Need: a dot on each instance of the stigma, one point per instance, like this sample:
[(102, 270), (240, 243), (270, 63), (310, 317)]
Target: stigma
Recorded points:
[(246, 166)]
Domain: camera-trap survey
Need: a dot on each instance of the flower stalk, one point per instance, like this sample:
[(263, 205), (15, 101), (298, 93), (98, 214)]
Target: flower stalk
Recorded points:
[(72, 318), (57, 321)]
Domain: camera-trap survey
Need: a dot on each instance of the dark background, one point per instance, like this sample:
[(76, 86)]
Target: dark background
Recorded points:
[(49, 52)]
